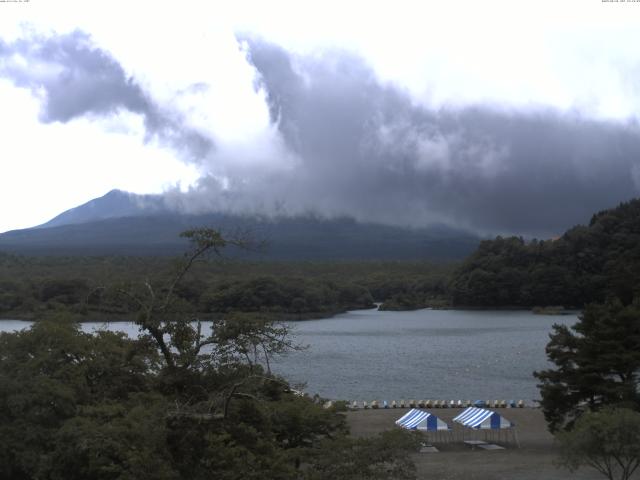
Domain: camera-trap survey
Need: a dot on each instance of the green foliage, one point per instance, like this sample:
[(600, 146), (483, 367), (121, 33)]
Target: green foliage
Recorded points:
[(608, 440), (88, 287), (587, 264), (67, 291), (205, 238), (383, 457), (294, 295), (119, 440), (177, 403), (296, 422), (99, 406), (75, 405), (509, 272), (597, 364), (49, 376)]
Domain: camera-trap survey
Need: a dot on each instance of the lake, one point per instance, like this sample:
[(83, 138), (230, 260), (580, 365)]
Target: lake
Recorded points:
[(422, 354)]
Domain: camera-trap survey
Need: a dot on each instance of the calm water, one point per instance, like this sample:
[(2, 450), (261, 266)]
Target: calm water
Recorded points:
[(438, 354)]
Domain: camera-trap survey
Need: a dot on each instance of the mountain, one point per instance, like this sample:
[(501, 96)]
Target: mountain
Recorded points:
[(126, 224), (114, 204)]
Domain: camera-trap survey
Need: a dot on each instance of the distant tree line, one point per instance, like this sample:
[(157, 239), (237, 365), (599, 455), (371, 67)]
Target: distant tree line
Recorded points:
[(586, 264), (86, 286)]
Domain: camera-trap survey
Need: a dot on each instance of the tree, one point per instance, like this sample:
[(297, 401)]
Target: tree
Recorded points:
[(608, 440), (54, 378), (176, 403), (253, 338), (597, 360), (383, 457), (162, 315)]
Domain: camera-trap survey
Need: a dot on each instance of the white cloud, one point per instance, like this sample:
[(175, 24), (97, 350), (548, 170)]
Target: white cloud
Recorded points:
[(569, 54), (577, 55), (49, 168)]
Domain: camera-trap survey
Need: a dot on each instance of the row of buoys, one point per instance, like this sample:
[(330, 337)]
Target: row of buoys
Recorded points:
[(440, 404)]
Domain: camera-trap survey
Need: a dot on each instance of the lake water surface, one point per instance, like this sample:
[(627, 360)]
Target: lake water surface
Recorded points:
[(437, 354)]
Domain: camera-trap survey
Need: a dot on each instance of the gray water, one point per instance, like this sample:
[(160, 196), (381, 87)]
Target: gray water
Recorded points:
[(437, 354)]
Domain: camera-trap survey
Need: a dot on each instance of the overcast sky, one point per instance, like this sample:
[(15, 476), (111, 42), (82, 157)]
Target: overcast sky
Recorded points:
[(500, 117)]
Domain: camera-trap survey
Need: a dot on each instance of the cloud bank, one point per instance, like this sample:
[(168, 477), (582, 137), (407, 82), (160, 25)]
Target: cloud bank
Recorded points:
[(342, 142), (73, 78), (366, 149)]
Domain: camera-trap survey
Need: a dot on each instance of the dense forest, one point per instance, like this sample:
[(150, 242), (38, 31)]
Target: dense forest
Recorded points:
[(181, 401), (586, 264), (87, 287)]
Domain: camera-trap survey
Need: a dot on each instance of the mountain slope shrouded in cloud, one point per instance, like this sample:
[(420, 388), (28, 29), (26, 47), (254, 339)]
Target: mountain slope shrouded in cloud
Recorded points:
[(128, 224), (338, 141), (367, 149), (482, 166), (115, 204)]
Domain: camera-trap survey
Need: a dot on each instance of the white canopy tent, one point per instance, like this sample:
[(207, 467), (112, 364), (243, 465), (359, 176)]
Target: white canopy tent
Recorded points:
[(416, 419), (487, 420), (427, 423), (482, 419)]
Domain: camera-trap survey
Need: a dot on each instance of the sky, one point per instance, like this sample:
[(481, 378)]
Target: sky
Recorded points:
[(507, 117)]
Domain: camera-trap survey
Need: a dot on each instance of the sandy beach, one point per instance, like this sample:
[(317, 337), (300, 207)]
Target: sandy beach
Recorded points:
[(455, 460)]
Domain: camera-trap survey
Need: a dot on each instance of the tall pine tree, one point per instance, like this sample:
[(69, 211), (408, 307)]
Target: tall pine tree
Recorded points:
[(597, 364)]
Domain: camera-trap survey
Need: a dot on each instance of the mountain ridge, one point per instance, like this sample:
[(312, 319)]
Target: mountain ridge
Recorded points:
[(114, 204), (122, 223)]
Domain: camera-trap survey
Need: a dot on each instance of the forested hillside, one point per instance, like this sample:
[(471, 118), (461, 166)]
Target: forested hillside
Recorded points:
[(87, 286), (300, 238), (586, 264)]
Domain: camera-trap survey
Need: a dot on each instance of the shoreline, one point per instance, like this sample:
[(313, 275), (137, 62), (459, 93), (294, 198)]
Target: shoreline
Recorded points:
[(285, 317), (291, 317)]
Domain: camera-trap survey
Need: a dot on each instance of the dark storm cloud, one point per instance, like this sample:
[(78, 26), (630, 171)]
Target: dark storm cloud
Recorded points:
[(73, 79), (366, 149), (347, 144)]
